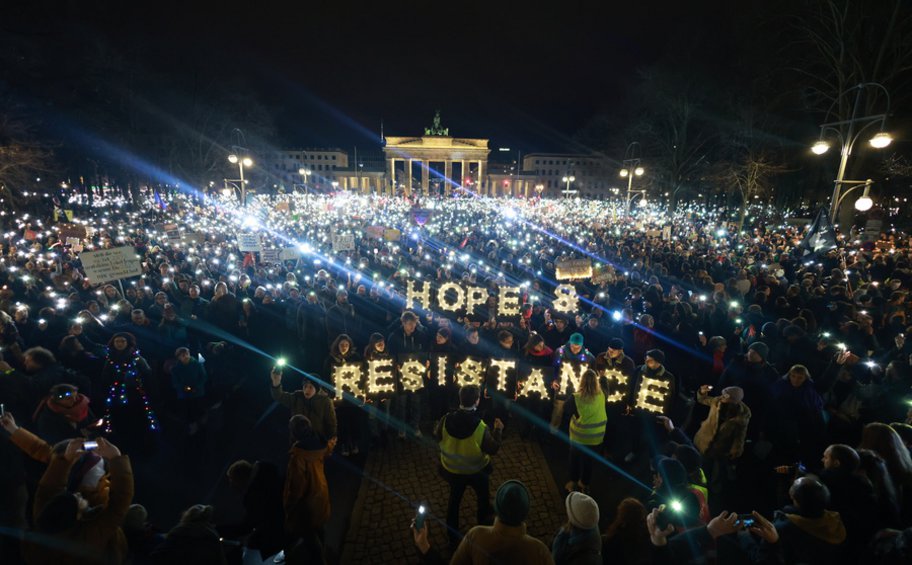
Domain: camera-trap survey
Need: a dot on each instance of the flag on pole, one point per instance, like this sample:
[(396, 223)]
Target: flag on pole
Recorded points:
[(820, 237)]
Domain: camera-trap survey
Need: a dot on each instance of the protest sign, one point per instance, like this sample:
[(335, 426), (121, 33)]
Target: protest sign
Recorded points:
[(172, 233), (75, 244), (872, 230), (248, 242), (270, 256), (343, 242), (110, 264), (375, 232), (573, 269), (70, 230), (603, 275), (392, 235), (289, 254), (194, 237)]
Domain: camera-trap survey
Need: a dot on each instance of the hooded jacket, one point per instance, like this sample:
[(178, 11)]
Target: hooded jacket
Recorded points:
[(720, 438), (500, 543), (809, 540), (318, 409), (306, 493), (99, 533)]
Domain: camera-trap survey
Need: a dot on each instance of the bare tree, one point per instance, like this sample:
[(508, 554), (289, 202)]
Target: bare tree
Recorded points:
[(673, 128), (22, 155)]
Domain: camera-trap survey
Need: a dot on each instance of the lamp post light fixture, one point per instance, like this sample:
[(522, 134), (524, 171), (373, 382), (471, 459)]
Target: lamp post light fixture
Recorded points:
[(539, 188), (567, 180), (848, 139), (304, 174), (242, 162), (632, 168)]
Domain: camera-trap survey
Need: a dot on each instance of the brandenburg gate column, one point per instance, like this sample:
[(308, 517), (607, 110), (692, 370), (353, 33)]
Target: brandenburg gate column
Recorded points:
[(482, 189), (392, 176), (448, 176), (408, 178), (425, 177)]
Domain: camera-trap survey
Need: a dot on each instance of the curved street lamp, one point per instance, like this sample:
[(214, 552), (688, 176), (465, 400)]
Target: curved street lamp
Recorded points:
[(241, 162), (880, 140), (632, 168), (567, 180)]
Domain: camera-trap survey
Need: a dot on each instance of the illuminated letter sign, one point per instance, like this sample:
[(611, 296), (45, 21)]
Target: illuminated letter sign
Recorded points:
[(347, 379), (652, 395), (470, 372), (380, 379)]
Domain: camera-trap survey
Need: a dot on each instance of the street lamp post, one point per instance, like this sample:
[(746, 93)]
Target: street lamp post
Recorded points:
[(241, 163), (632, 168), (879, 141), (304, 174), (539, 188), (567, 180)]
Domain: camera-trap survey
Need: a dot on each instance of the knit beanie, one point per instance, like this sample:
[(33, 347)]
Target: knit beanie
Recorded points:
[(689, 457), (511, 503), (736, 393), (657, 355), (582, 511), (136, 517), (86, 472), (672, 472), (198, 513), (616, 343), (761, 348)]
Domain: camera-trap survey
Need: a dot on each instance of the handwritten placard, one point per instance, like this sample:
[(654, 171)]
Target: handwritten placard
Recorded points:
[(110, 264)]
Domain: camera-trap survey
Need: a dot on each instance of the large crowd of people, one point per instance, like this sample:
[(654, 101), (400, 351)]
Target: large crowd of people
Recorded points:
[(765, 383)]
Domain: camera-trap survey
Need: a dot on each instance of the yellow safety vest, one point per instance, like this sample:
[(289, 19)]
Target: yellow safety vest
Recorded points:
[(463, 456), (589, 427)]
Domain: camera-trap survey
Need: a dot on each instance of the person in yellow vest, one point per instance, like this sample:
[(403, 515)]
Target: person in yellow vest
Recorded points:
[(466, 446), (588, 420)]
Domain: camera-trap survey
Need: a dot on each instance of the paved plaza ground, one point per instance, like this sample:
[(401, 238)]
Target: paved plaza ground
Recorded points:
[(400, 476)]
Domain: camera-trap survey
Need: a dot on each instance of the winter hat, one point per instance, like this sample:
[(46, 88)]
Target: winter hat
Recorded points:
[(792, 331), (136, 517), (511, 503), (761, 348), (576, 339), (197, 513), (672, 472), (688, 456), (736, 393), (657, 355), (616, 343), (86, 473), (770, 330), (582, 511)]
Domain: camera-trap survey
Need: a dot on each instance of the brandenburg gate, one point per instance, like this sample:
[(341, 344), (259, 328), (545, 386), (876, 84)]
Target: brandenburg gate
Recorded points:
[(434, 156)]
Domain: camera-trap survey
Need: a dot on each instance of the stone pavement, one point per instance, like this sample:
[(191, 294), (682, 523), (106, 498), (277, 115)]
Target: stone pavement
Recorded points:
[(400, 476)]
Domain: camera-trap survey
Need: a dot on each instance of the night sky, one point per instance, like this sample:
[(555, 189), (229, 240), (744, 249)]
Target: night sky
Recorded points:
[(527, 75)]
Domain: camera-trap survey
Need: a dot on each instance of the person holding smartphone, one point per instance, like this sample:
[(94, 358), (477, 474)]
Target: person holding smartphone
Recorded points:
[(65, 517), (307, 402)]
